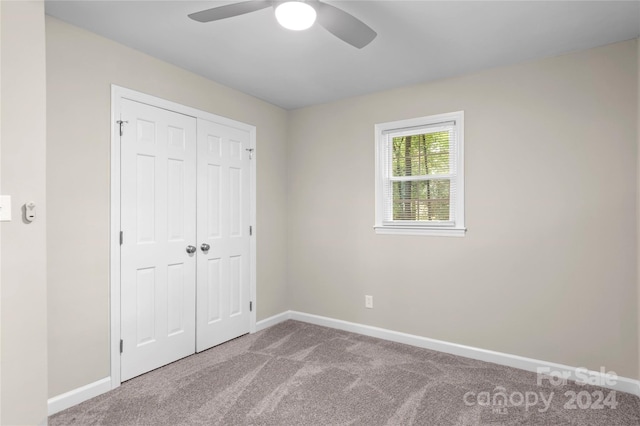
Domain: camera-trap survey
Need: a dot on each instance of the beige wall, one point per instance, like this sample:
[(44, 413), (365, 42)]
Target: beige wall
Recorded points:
[(547, 269), (23, 357), (81, 66)]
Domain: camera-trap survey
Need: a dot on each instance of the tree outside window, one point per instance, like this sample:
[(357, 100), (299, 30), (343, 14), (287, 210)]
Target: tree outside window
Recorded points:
[(421, 156)]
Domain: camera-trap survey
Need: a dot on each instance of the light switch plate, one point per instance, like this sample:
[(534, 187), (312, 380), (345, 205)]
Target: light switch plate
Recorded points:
[(5, 208)]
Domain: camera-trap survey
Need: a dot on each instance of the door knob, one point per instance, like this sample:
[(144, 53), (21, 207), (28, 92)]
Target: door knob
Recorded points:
[(191, 249), (205, 247)]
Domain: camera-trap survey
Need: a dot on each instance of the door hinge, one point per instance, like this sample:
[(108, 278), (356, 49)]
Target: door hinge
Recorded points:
[(121, 237), (250, 306), (121, 122), (121, 345), (250, 151), (250, 230)]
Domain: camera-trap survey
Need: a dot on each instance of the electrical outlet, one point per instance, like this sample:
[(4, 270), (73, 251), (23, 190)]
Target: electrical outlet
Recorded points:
[(368, 302)]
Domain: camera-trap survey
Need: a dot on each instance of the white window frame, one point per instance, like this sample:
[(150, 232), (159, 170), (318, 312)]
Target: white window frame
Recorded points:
[(454, 228)]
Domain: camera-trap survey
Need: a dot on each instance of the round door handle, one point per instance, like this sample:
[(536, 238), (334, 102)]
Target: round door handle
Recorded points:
[(205, 247), (191, 249)]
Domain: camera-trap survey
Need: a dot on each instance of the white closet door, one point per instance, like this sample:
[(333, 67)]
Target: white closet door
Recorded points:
[(158, 219), (223, 234)]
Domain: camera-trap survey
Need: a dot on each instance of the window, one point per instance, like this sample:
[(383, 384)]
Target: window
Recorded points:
[(419, 176)]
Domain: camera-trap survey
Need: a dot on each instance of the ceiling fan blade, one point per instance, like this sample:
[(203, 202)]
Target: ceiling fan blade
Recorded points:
[(344, 25), (229, 10)]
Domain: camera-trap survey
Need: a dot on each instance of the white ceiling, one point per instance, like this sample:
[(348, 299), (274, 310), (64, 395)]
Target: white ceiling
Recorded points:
[(417, 41)]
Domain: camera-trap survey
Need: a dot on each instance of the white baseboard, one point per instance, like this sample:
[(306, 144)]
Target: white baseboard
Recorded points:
[(271, 321), (622, 384), (76, 396)]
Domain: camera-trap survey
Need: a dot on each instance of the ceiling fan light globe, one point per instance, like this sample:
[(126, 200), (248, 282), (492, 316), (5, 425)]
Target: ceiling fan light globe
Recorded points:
[(295, 15)]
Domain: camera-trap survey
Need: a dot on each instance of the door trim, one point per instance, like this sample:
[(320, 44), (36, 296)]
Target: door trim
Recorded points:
[(117, 94)]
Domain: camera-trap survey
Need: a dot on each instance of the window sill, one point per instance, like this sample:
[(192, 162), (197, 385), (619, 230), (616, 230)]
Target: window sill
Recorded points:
[(415, 230)]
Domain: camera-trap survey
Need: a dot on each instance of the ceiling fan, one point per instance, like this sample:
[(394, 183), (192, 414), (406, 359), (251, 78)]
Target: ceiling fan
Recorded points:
[(299, 15)]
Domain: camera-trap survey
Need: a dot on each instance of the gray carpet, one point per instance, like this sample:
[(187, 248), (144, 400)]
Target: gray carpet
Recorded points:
[(300, 374)]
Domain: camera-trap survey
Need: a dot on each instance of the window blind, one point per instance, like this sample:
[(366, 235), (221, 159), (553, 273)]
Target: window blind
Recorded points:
[(420, 169)]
